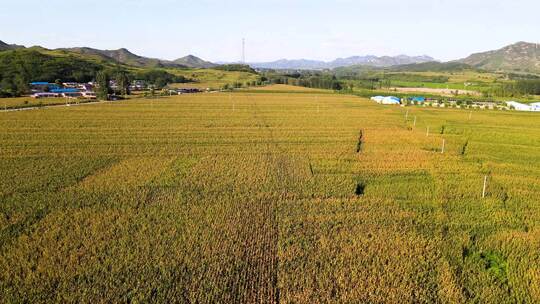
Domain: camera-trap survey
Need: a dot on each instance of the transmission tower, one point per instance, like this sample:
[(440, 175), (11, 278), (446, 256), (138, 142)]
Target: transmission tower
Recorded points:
[(243, 50)]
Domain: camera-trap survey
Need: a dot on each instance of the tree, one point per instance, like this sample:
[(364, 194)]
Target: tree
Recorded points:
[(160, 78), (122, 81), (160, 82), (21, 86), (102, 80)]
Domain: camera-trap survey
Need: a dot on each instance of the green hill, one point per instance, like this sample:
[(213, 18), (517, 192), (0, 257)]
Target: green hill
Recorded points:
[(518, 57), (194, 62), (21, 66), (124, 56), (120, 56)]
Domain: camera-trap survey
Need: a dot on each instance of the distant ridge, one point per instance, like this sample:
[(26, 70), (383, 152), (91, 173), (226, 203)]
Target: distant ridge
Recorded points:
[(521, 57), (370, 60), (122, 56), (6, 47), (517, 57)]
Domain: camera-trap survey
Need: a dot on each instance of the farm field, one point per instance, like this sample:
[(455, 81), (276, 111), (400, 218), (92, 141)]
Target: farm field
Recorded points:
[(24, 102), (462, 76), (210, 78), (283, 88), (269, 198), (475, 87)]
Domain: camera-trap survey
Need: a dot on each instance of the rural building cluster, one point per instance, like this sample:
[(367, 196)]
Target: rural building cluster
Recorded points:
[(77, 90), (66, 89), (482, 105), (87, 90)]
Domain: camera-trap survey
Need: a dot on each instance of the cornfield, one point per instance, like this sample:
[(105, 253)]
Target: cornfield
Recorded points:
[(268, 197)]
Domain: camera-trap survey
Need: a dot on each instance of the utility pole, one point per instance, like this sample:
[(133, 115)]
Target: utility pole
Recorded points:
[(443, 145), (485, 185), (427, 132), (414, 122)]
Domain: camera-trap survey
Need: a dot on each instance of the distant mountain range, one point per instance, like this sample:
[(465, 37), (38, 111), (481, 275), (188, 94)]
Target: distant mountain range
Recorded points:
[(126, 57), (370, 60), (518, 57), (122, 56)]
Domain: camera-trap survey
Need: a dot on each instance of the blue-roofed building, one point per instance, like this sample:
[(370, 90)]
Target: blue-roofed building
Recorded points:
[(61, 91), (40, 87), (417, 99)]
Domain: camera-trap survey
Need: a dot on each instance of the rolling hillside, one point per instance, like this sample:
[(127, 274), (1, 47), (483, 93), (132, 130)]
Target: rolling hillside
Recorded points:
[(20, 65), (122, 56), (520, 57), (125, 56), (195, 62)]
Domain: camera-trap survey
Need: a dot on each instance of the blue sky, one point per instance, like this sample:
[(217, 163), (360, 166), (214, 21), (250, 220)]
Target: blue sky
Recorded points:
[(274, 29)]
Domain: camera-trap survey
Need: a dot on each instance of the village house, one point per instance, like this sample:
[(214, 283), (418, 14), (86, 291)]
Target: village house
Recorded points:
[(67, 90)]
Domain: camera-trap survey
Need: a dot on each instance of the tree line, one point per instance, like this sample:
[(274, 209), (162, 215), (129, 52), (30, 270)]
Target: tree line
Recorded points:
[(236, 68), (310, 79), (517, 88), (157, 78)]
